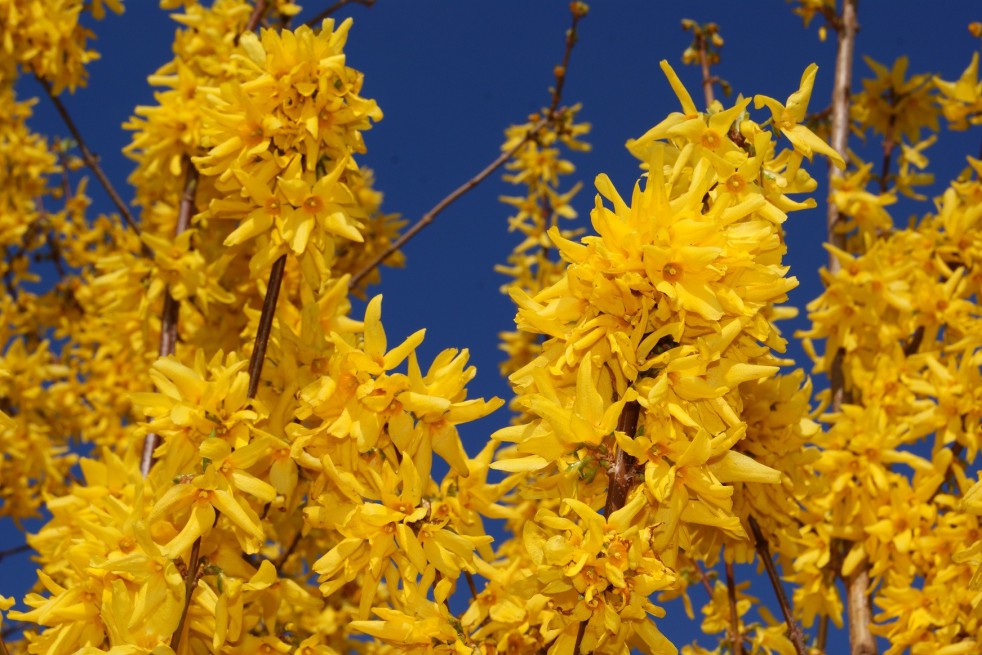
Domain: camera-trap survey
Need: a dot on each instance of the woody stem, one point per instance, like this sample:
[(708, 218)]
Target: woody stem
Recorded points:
[(265, 325), (168, 316), (764, 553)]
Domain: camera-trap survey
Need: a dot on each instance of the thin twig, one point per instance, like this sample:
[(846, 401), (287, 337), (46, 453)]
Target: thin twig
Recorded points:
[(764, 553), (889, 144), (823, 632), (281, 560), (443, 204), (16, 550), (13, 627), (265, 325), (735, 637), (579, 10), (190, 582), (3, 647), (470, 584), (704, 579), (168, 318), (314, 22), (847, 27), (707, 79), (90, 160)]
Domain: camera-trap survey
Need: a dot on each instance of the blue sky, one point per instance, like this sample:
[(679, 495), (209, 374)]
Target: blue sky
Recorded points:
[(450, 76)]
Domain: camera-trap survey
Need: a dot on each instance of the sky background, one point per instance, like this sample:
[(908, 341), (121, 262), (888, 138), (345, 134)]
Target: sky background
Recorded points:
[(450, 76)]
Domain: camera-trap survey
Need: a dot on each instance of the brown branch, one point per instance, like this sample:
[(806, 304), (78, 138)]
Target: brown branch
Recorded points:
[(622, 476), (736, 639), (823, 632), (704, 579), (265, 325), (578, 10), (912, 346), (470, 584), (168, 318), (190, 582), (847, 27), (443, 204), (580, 631), (889, 144), (91, 160), (3, 647), (620, 479), (314, 22), (281, 560), (13, 627), (16, 550), (255, 16), (764, 553)]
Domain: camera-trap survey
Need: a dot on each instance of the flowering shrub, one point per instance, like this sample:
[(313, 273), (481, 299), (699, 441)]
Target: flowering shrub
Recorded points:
[(262, 476)]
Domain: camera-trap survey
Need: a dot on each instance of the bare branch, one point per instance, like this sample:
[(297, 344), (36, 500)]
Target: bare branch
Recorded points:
[(16, 550), (736, 639), (190, 582), (846, 28), (578, 11), (168, 319), (316, 20), (861, 639), (764, 553), (91, 160), (443, 204)]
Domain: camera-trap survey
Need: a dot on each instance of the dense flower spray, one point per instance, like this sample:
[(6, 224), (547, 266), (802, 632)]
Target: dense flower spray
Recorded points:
[(262, 477)]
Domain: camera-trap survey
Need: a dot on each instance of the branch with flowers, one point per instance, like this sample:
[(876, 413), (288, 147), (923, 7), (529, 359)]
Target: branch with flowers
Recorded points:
[(269, 472)]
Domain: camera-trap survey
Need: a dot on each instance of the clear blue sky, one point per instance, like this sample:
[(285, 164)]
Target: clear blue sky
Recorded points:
[(450, 76)]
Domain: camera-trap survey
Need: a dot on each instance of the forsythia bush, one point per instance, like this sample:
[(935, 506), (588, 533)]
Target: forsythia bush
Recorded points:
[(262, 477)]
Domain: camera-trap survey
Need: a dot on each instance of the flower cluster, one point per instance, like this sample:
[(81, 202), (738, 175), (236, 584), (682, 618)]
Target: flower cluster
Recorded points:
[(899, 322), (659, 327), (48, 40), (534, 264)]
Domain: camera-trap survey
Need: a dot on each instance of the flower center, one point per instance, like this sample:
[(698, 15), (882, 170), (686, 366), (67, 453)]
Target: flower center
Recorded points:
[(735, 183), (710, 140), (672, 272)]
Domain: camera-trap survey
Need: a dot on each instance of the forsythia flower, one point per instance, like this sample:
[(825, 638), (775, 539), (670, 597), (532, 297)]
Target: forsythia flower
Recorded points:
[(659, 322)]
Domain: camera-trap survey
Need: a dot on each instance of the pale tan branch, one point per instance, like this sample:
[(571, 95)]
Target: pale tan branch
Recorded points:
[(168, 318), (861, 640), (847, 27), (736, 638)]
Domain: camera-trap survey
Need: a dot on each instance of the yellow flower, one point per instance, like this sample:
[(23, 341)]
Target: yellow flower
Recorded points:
[(788, 119), (961, 100)]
